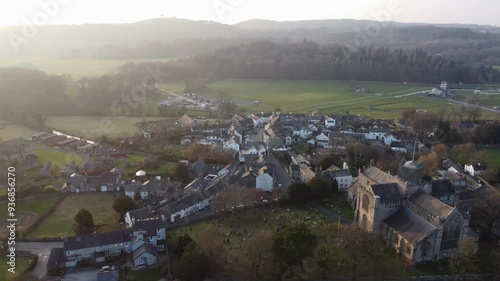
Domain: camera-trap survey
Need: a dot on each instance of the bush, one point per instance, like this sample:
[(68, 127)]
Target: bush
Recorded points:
[(50, 189)]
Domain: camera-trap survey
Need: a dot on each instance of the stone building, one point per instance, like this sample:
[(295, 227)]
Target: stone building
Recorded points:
[(417, 225)]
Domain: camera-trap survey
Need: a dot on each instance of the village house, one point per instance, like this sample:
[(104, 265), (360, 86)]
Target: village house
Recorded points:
[(150, 235)]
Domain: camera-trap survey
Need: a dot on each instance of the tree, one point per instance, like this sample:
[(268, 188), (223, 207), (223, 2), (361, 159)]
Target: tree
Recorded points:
[(431, 163), (359, 246), (233, 198), (487, 210), (194, 264), (300, 192), (255, 258), (463, 260), (181, 173), (84, 222), (181, 244), (122, 204), (321, 187), (292, 245)]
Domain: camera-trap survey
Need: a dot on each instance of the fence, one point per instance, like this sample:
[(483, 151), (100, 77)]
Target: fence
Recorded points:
[(27, 231)]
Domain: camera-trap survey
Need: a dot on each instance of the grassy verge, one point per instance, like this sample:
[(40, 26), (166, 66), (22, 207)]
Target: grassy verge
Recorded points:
[(146, 275), (22, 263), (60, 222)]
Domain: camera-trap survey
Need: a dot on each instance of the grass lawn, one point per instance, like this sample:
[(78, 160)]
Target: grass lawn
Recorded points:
[(493, 157), (330, 97), (22, 263), (9, 132), (92, 127), (143, 275), (61, 221), (38, 204), (56, 157)]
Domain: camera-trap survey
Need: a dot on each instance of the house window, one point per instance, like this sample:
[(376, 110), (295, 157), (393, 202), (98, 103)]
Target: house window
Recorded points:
[(160, 248), (365, 203)]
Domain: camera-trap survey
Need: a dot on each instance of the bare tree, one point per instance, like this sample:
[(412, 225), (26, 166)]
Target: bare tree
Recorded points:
[(255, 259), (487, 210), (233, 198), (463, 260)]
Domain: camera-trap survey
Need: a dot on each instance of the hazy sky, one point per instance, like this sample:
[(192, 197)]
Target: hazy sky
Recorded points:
[(14, 12)]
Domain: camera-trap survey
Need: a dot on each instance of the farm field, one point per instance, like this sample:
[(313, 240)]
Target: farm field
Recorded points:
[(328, 96), (486, 100), (76, 68), (60, 222), (46, 155), (22, 263), (10, 132), (93, 127)]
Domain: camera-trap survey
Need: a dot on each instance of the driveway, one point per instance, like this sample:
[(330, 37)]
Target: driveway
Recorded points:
[(82, 275), (42, 249)]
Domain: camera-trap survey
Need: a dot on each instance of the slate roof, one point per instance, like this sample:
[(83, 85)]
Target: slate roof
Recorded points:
[(388, 192), (377, 175), (145, 248), (380, 130), (56, 259), (431, 205), (140, 214), (441, 187), (409, 225), (96, 239)]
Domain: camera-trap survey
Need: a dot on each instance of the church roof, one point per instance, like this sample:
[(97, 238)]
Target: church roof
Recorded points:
[(388, 192), (377, 175), (409, 225), (441, 187), (431, 205)]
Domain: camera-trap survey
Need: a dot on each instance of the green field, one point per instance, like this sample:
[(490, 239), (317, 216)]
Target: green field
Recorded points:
[(46, 155), (330, 97), (486, 100), (9, 132), (22, 263), (38, 205), (93, 127), (61, 221), (76, 68), (493, 157)]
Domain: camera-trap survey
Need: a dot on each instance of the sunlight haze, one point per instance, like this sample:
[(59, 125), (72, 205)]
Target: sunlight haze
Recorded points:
[(234, 11)]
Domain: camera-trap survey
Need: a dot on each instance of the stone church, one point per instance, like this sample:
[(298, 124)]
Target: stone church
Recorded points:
[(417, 225)]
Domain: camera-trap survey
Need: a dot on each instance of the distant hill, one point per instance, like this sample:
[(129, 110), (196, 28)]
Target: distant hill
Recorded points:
[(172, 37), (348, 25)]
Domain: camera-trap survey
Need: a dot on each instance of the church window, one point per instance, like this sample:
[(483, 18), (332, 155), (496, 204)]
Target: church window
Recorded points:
[(365, 203), (365, 220), (408, 249), (426, 248), (396, 239), (451, 235)]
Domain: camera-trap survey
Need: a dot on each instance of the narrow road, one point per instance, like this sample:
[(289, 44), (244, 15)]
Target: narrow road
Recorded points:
[(468, 105), (282, 177), (42, 249)]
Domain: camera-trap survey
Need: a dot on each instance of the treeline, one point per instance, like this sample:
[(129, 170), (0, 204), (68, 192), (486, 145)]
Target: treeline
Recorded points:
[(29, 96), (311, 61)]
